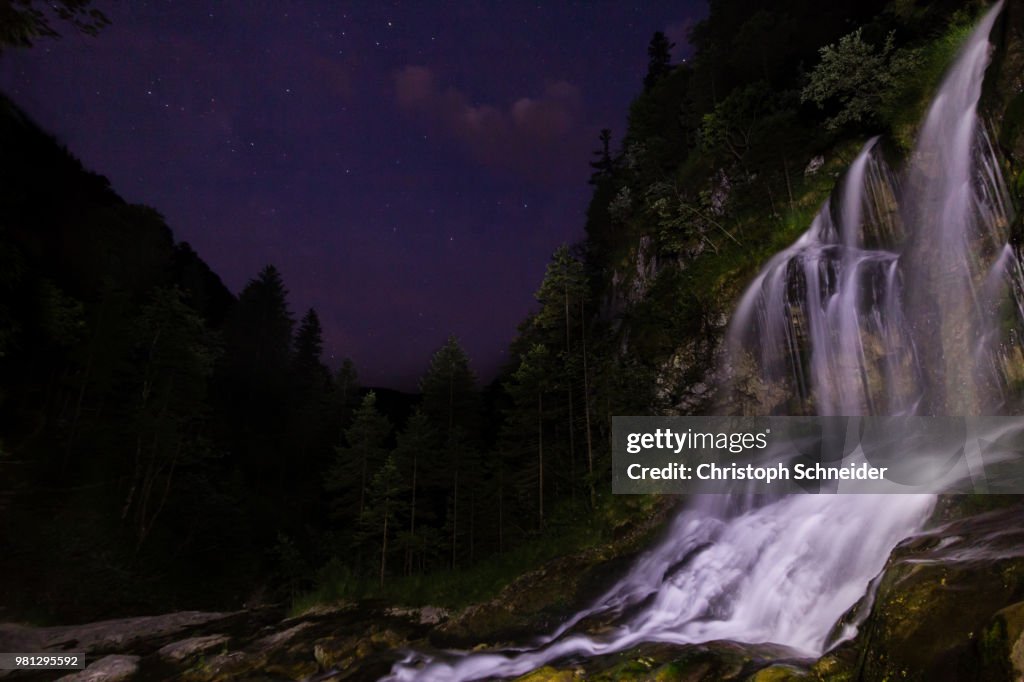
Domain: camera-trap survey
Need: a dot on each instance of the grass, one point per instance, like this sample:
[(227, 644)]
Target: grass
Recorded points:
[(456, 588)]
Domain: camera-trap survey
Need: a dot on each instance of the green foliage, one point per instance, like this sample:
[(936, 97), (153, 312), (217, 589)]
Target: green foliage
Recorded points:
[(384, 502), (22, 22), (449, 390), (860, 77), (292, 566), (358, 461), (738, 121), (905, 108), (62, 318), (560, 292), (176, 358), (417, 457), (344, 397)]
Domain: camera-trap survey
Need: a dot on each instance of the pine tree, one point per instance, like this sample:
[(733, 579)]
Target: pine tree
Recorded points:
[(378, 519), (346, 396), (308, 369), (255, 380), (355, 463), (659, 53), (259, 331), (604, 163), (562, 295), (530, 382), (450, 398), (451, 403), (415, 451), (309, 434)]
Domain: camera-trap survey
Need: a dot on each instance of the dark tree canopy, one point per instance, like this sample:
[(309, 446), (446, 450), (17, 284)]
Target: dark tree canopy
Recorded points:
[(22, 22), (659, 53), (603, 163)]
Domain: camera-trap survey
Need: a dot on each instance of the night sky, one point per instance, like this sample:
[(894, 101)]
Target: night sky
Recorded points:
[(409, 167)]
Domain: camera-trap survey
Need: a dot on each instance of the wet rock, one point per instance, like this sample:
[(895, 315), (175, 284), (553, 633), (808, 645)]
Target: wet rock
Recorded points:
[(326, 610), (294, 670), (1002, 644), (224, 667), (277, 639), (193, 646), (780, 673), (106, 669), (549, 674), (344, 652), (946, 602), (426, 615), (336, 652), (814, 165), (108, 635), (720, 661), (839, 665)]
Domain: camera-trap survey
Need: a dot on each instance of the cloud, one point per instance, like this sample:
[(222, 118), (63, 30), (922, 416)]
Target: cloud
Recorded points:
[(542, 137)]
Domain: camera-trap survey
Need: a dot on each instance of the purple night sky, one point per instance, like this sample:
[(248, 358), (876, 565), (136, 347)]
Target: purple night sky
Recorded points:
[(409, 167)]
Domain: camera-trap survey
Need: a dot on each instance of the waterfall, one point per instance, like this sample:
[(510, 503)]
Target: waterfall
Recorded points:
[(888, 304)]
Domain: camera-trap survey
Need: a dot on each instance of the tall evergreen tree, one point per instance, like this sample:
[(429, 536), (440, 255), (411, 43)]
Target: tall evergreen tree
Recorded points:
[(451, 403), (659, 54), (604, 163), (308, 368), (259, 331), (562, 295), (450, 398), (530, 382), (346, 395), (384, 504), (311, 434), (258, 340), (416, 451), (356, 462)]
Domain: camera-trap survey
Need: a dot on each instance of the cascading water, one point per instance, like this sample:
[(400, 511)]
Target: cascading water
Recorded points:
[(890, 279)]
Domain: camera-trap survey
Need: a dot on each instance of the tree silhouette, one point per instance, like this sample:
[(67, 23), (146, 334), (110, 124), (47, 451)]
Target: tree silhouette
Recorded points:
[(604, 163), (355, 463), (22, 22), (659, 53)]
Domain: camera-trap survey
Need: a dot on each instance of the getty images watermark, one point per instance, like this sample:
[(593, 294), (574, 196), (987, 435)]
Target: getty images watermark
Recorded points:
[(775, 455)]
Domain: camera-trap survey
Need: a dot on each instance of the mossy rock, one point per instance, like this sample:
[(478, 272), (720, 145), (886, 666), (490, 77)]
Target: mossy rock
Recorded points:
[(336, 652), (780, 673), (549, 674), (1002, 645), (225, 666), (293, 670), (720, 661), (839, 665), (938, 597)]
